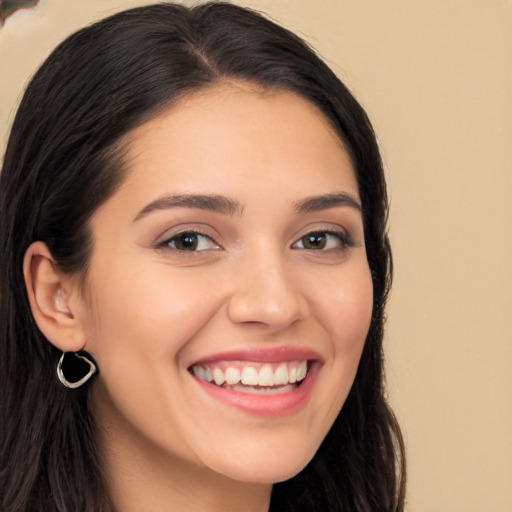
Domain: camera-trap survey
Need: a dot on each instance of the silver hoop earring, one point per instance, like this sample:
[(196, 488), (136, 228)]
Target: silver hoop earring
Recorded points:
[(79, 367)]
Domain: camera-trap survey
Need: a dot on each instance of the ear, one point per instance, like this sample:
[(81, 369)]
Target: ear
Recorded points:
[(54, 298)]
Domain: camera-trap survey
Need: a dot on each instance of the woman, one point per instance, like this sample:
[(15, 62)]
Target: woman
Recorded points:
[(194, 273)]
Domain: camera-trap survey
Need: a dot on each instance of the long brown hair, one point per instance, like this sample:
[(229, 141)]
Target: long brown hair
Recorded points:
[(62, 163)]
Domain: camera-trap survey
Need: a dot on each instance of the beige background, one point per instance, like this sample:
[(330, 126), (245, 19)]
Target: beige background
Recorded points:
[(436, 79)]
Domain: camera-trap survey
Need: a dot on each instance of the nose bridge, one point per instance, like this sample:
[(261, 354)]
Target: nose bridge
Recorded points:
[(265, 290)]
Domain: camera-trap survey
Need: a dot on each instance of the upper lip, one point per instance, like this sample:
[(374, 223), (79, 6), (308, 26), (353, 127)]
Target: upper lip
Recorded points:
[(263, 355)]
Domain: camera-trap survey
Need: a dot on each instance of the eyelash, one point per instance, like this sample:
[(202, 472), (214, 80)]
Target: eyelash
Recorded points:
[(342, 237), (166, 244)]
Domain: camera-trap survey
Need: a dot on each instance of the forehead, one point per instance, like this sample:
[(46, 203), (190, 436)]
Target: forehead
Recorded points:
[(234, 132)]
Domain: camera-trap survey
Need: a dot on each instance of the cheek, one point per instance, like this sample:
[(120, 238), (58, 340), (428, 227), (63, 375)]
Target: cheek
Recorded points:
[(149, 314), (346, 310), (142, 322)]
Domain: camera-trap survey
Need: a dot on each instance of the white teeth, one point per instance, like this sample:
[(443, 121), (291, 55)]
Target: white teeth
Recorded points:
[(203, 373), (302, 370), (249, 376), (281, 375), (232, 376), (266, 376), (243, 373), (218, 376), (198, 372)]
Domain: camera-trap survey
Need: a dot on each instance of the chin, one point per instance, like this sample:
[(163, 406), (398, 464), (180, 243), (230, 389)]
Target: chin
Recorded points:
[(264, 472)]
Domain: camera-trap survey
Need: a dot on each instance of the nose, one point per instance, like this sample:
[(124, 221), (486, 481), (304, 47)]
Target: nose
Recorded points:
[(267, 293)]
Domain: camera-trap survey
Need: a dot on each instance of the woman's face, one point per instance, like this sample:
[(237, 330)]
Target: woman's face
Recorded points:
[(233, 251)]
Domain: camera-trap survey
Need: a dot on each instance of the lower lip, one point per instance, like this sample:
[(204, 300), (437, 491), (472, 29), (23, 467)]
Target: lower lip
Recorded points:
[(264, 405)]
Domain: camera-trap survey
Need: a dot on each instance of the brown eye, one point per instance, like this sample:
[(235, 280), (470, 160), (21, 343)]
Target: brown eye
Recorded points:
[(186, 242), (189, 241), (323, 240), (314, 241)]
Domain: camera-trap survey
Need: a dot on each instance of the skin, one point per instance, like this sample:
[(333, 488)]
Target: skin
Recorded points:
[(151, 310)]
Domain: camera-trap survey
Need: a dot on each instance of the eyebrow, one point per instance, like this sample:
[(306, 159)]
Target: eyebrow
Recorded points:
[(210, 202), (325, 201), (229, 206)]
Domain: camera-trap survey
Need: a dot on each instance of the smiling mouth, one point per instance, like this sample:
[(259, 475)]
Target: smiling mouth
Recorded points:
[(253, 377)]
